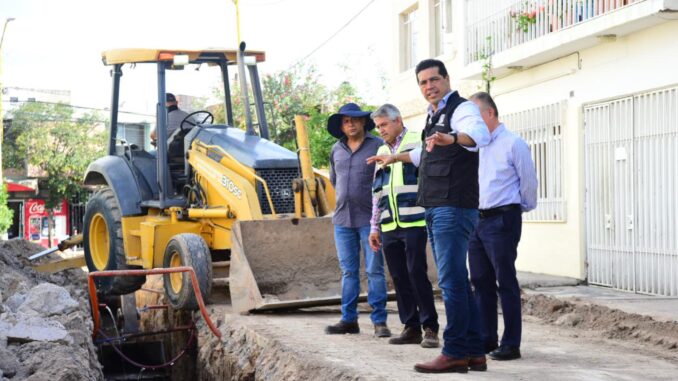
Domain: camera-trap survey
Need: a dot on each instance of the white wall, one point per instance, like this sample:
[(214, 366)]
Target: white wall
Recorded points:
[(637, 62), (403, 89)]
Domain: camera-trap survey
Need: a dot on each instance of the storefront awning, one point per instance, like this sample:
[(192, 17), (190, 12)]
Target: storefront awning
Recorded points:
[(14, 187)]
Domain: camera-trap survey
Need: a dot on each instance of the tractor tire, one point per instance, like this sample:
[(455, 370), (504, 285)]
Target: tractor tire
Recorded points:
[(190, 250), (104, 250)]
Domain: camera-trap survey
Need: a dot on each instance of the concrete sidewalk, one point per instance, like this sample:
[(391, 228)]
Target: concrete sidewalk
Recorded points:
[(657, 307)]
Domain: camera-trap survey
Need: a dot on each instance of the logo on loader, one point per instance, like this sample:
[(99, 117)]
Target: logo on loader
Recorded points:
[(231, 187)]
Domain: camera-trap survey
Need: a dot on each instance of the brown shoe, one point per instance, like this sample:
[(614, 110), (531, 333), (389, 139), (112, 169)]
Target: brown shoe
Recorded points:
[(409, 335), (342, 327), (430, 339), (477, 363), (443, 364), (381, 330)]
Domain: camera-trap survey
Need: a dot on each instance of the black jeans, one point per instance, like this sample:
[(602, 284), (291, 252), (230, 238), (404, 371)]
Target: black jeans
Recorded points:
[(405, 253)]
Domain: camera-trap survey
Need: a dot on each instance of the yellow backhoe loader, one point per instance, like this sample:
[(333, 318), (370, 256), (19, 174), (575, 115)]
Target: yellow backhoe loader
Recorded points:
[(213, 197)]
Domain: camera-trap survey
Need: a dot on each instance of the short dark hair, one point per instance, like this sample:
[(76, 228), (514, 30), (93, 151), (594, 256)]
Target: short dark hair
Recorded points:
[(429, 63), (487, 100)]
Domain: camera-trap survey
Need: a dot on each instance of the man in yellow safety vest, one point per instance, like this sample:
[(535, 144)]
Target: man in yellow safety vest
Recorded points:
[(399, 227)]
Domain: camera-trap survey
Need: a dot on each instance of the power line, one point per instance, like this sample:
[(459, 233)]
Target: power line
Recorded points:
[(333, 34), (52, 119), (76, 107)]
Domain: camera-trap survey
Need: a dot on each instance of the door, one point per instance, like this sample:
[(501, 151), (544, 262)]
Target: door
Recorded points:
[(656, 145), (631, 148), (609, 193)]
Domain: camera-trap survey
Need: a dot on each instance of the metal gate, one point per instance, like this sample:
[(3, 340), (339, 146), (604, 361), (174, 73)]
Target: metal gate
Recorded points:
[(631, 148)]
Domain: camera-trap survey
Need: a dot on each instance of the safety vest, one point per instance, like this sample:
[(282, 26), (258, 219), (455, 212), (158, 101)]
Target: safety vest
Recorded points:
[(396, 187)]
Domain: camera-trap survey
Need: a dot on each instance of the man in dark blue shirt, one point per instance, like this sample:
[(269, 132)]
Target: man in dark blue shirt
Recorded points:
[(352, 179)]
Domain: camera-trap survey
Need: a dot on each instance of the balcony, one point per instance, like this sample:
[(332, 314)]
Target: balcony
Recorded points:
[(525, 33)]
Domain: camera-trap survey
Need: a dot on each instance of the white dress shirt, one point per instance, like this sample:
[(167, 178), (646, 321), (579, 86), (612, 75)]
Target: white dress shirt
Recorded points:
[(506, 173)]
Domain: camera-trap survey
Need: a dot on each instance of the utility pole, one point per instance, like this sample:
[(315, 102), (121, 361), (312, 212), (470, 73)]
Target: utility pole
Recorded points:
[(2, 127), (237, 20)]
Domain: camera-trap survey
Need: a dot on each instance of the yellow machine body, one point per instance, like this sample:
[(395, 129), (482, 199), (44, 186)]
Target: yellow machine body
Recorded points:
[(277, 260), (262, 211)]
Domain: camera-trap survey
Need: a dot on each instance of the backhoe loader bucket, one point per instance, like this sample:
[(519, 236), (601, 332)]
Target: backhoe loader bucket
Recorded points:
[(284, 263)]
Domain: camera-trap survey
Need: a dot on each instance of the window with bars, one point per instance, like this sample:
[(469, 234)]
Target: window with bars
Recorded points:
[(542, 130), (408, 39), (132, 133)]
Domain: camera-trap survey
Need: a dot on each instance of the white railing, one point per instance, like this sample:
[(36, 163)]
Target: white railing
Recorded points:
[(498, 25)]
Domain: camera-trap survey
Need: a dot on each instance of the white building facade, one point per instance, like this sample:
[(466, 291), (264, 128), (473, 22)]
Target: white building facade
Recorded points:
[(592, 86)]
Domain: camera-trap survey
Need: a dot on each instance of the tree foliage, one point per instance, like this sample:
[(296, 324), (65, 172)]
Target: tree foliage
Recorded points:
[(296, 91), (58, 144), (6, 214)]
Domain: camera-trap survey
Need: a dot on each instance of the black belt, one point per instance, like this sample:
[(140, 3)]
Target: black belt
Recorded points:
[(484, 213)]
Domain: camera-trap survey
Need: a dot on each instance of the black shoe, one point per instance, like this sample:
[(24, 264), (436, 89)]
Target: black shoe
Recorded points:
[(381, 330), (409, 335), (342, 327), (505, 352), (490, 346)]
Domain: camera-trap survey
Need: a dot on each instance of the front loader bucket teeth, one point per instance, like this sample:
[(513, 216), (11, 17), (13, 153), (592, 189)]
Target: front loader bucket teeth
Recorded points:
[(284, 263)]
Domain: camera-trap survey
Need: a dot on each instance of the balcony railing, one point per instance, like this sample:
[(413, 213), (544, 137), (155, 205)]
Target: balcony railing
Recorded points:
[(498, 25)]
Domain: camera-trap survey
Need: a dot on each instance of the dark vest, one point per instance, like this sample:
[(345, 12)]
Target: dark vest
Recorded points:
[(448, 175)]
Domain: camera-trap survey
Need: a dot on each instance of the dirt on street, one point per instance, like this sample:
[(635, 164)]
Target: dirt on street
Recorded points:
[(45, 329), (561, 341), (605, 322)]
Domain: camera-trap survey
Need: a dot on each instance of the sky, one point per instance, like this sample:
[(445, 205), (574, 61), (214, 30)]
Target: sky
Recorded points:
[(57, 44)]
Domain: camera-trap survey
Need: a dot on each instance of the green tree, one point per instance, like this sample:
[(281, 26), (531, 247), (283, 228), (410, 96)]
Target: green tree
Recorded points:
[(286, 93), (6, 214), (320, 140), (296, 91), (58, 144)]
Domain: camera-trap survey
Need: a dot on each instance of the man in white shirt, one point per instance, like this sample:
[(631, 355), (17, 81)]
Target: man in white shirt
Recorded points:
[(508, 187), (448, 190)]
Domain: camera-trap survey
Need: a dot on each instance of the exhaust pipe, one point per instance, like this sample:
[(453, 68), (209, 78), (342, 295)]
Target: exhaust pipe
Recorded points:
[(243, 89)]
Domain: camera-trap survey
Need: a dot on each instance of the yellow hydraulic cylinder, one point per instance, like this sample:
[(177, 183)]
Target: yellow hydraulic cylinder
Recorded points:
[(208, 213), (306, 166)]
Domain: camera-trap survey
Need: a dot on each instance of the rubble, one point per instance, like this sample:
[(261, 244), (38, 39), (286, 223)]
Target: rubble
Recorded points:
[(45, 324), (47, 299), (34, 328)]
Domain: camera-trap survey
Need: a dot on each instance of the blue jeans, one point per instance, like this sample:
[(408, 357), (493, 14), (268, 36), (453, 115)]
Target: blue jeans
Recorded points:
[(348, 242), (449, 229)]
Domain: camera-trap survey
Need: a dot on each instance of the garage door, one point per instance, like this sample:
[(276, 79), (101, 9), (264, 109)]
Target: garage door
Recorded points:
[(631, 148)]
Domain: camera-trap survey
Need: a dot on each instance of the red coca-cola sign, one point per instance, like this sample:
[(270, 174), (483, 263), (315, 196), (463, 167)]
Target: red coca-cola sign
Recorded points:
[(36, 208)]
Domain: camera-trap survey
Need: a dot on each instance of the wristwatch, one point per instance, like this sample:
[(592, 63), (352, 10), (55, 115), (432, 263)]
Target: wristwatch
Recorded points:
[(455, 136)]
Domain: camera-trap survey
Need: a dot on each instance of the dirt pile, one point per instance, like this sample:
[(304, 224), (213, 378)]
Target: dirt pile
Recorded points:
[(45, 324), (608, 323)]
